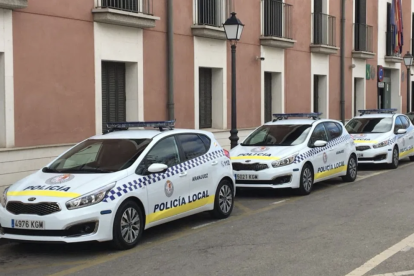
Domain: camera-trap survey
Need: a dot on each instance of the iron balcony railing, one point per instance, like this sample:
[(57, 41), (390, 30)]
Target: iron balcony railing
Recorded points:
[(390, 43), (135, 6), (324, 29), (363, 40), (212, 12), (277, 18)]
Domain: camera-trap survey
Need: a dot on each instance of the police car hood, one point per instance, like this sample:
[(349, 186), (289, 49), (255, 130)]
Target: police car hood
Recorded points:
[(370, 138), (59, 187), (270, 153)]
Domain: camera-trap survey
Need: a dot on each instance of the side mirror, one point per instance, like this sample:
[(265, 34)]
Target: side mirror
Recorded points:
[(320, 143), (401, 131), (157, 167)]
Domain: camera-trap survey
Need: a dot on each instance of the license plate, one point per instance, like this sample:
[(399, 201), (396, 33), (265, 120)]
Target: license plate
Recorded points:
[(360, 155), (246, 176), (28, 224)]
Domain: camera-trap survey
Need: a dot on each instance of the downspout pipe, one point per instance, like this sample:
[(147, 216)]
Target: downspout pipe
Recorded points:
[(170, 59), (342, 54)]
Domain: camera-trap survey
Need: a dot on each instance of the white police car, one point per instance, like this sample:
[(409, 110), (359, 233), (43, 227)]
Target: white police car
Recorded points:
[(382, 136), (113, 186), (294, 153)]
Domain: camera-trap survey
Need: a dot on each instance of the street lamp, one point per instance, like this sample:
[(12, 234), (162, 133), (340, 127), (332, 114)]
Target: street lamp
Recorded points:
[(233, 28), (408, 61)]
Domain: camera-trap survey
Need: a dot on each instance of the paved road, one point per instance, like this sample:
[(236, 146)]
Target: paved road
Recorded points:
[(361, 228)]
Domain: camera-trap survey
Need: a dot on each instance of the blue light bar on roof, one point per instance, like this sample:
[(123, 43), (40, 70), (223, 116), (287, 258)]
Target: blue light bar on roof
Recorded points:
[(155, 124), (370, 111), (280, 116)]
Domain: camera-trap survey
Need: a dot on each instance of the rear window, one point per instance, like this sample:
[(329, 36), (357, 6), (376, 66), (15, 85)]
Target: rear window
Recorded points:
[(369, 125), (278, 135)]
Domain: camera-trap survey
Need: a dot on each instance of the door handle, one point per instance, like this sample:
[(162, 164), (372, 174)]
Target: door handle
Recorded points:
[(183, 174), (215, 162)]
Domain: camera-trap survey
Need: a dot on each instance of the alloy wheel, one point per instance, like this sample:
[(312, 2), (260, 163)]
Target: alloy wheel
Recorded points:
[(352, 168), (307, 179), (130, 225), (225, 199)]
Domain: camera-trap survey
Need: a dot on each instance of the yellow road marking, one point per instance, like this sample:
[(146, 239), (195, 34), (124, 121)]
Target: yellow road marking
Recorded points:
[(43, 193), (42, 265), (241, 206)]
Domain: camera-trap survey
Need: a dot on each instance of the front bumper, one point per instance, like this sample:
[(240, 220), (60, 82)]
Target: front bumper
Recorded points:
[(371, 155), (275, 178), (93, 223)]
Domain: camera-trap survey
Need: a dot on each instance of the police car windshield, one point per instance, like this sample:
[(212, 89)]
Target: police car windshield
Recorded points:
[(99, 156), (369, 125), (278, 135)]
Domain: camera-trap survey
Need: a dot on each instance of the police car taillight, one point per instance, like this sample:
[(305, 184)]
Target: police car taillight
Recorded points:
[(226, 153)]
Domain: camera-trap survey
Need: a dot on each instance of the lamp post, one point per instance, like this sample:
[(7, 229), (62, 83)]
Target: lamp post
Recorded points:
[(233, 28), (408, 61)]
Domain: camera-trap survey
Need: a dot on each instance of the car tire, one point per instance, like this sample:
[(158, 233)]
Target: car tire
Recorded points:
[(129, 218), (352, 170), (306, 180), (395, 159), (224, 200)]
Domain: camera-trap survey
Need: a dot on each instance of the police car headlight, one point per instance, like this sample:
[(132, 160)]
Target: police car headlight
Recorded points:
[(382, 144), (3, 200), (284, 161), (89, 199)]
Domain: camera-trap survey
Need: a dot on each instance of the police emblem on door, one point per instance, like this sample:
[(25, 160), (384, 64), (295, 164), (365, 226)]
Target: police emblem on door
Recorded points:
[(325, 157), (168, 188)]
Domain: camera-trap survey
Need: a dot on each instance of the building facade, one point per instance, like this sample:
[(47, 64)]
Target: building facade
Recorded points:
[(66, 70)]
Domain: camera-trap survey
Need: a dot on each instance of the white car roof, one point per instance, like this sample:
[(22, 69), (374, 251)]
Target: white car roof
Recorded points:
[(298, 121), (145, 133), (380, 115)]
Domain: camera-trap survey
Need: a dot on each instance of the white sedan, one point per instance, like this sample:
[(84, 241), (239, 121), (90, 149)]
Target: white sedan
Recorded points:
[(382, 136), (111, 187), (294, 153)]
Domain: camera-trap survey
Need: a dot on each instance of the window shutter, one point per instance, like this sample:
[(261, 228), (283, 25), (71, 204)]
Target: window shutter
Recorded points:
[(268, 96), (205, 97)]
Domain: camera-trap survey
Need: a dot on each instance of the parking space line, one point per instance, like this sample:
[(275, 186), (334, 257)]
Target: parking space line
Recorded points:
[(402, 273), (280, 201), (241, 206), (385, 255), (203, 225), (248, 212), (42, 265)]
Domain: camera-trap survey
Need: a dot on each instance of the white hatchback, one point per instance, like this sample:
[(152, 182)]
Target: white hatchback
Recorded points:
[(382, 136), (294, 153), (113, 186)]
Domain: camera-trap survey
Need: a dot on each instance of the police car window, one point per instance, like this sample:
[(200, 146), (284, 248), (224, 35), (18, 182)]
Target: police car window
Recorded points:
[(398, 124), (206, 141), (404, 121), (99, 156), (278, 135), (192, 145), (164, 152), (369, 125), (319, 133), (333, 130)]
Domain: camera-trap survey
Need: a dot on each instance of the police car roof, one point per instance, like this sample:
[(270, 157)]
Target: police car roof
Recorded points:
[(378, 115), (144, 133), (298, 121)]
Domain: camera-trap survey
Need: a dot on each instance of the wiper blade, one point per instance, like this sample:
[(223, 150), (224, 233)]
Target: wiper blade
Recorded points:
[(46, 169)]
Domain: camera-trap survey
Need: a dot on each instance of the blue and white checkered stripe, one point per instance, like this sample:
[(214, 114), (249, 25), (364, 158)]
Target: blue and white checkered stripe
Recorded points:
[(131, 186), (304, 156)]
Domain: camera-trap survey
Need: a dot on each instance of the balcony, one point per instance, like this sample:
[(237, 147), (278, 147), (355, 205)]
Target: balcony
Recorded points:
[(13, 4), (129, 13), (392, 54), (363, 47), (276, 27), (324, 34), (209, 17)]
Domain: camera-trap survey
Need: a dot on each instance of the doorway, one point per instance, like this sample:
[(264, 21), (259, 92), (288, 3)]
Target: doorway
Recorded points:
[(384, 94), (359, 97), (320, 95)]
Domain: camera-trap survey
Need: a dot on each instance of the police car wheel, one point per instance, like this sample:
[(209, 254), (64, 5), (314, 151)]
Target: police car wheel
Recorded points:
[(128, 226), (306, 180), (224, 200), (395, 159), (352, 170)]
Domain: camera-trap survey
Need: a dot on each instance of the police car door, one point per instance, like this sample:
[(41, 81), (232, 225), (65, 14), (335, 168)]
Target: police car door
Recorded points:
[(406, 142), (337, 156), (201, 176), (401, 138), (166, 191), (319, 155), (410, 133)]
